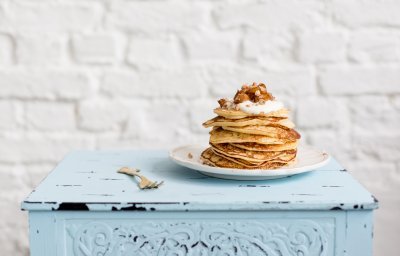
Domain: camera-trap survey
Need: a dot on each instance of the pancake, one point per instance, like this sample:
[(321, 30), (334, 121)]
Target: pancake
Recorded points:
[(250, 156), (237, 114), (284, 158), (269, 131), (259, 137), (209, 157), (222, 121), (220, 135), (265, 148), (238, 160)]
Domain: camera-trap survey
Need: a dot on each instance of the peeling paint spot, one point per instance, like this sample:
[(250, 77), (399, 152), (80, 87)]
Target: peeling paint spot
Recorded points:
[(343, 170), (254, 186), (355, 206), (32, 202), (72, 207), (375, 200), (336, 208), (133, 207)]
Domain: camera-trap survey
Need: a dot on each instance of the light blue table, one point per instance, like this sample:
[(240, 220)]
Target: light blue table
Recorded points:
[(85, 208)]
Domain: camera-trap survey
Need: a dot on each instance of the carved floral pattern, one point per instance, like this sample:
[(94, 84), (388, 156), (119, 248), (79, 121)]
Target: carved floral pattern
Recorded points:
[(190, 238)]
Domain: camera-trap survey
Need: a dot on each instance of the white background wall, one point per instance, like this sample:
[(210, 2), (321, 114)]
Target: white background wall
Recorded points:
[(144, 74)]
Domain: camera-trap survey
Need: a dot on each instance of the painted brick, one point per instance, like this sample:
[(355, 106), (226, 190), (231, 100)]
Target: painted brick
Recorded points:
[(151, 53), (225, 80), (201, 111), (40, 148), (320, 112), (50, 17), (154, 17), (269, 48), (6, 50), (38, 50), (95, 115), (374, 115), (374, 47), (154, 84), (44, 85), (145, 120), (366, 13), (317, 47), (360, 80), (50, 116), (335, 141), (271, 14), (94, 48), (383, 147), (10, 115), (211, 46)]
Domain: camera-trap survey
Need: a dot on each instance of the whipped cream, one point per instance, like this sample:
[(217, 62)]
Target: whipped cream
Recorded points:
[(257, 108)]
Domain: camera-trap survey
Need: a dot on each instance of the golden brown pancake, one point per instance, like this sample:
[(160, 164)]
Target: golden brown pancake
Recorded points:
[(220, 135), (269, 131), (248, 155), (259, 120), (283, 158), (262, 147), (245, 140), (210, 158), (236, 114)]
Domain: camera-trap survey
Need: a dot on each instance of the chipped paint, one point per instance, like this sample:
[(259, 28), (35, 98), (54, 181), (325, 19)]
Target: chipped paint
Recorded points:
[(96, 186)]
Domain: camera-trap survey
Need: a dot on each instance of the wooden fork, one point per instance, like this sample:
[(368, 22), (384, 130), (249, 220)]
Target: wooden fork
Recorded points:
[(144, 183)]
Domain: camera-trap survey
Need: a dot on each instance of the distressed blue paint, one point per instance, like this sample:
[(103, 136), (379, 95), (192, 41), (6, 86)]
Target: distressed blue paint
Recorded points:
[(84, 199), (90, 178)]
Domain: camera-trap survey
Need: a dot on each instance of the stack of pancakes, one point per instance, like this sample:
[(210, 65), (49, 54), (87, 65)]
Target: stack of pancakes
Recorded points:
[(250, 141)]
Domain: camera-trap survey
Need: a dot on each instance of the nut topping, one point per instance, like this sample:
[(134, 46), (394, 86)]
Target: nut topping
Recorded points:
[(255, 93), (222, 102)]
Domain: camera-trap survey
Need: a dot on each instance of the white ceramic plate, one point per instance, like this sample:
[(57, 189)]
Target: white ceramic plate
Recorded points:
[(308, 159)]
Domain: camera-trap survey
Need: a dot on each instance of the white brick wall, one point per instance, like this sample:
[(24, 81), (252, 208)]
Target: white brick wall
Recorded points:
[(124, 74)]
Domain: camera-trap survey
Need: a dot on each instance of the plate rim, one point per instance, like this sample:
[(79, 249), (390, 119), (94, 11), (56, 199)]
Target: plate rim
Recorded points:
[(192, 164)]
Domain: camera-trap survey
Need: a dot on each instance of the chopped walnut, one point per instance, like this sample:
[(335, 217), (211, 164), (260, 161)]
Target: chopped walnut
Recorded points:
[(190, 156), (240, 97), (255, 93), (222, 102)]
